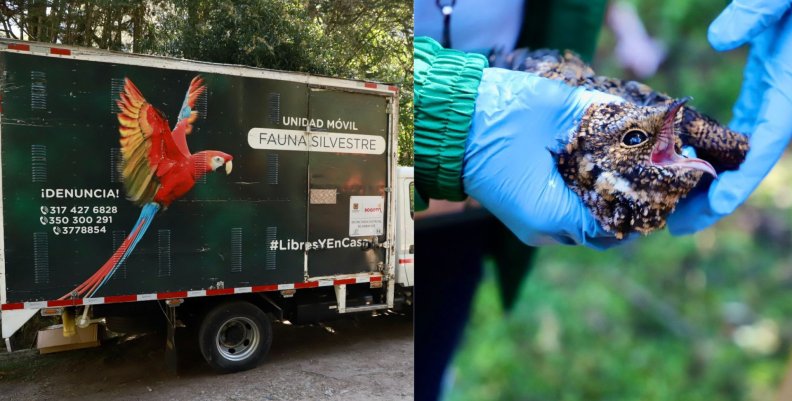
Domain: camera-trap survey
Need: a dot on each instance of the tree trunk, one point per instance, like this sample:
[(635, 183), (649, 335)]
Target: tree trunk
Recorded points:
[(190, 49), (119, 27), (37, 14), (88, 27), (104, 40), (137, 26), (69, 35), (56, 15)]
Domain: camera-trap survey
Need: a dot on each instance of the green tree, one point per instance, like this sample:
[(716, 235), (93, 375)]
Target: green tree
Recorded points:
[(366, 40)]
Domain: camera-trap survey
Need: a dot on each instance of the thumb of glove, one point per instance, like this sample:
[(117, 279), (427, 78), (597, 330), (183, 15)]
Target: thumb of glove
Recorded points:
[(742, 20)]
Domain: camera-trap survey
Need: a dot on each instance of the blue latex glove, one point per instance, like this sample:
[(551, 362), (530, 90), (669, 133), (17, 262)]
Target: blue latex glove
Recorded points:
[(508, 167), (764, 108)]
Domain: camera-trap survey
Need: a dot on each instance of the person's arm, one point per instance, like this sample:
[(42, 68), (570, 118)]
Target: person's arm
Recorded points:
[(485, 132), (446, 84)]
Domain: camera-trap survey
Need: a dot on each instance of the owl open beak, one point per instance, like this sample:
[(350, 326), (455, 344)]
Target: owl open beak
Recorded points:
[(664, 154)]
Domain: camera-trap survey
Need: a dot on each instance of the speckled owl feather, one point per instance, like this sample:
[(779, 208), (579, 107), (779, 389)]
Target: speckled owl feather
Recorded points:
[(624, 159)]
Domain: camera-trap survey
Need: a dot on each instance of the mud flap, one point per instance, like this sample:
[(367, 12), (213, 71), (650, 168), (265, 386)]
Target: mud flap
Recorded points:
[(13, 320)]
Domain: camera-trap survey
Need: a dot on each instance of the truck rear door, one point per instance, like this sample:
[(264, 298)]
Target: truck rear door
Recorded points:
[(348, 175)]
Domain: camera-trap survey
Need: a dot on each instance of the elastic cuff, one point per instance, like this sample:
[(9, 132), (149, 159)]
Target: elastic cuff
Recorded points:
[(446, 85)]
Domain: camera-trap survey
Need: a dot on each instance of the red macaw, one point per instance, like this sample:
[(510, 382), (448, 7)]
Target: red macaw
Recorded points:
[(158, 167)]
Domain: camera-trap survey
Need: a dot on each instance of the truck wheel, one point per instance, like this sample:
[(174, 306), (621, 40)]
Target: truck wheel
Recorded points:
[(235, 336)]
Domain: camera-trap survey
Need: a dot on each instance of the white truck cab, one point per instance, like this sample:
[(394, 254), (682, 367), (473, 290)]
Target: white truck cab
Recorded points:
[(405, 236)]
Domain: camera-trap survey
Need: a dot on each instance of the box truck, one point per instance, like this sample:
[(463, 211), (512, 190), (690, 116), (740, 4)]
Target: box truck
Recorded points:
[(227, 197)]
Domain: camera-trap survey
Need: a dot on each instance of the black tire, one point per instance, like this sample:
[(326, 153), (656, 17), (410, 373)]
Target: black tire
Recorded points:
[(235, 336)]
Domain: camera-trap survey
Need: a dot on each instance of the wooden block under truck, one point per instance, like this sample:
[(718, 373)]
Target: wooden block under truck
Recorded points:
[(228, 197)]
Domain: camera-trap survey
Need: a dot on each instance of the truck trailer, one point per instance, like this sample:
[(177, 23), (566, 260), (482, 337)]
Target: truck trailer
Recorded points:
[(228, 197)]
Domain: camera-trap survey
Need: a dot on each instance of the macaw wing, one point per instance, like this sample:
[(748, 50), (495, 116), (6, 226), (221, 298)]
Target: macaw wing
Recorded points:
[(187, 115), (143, 130)]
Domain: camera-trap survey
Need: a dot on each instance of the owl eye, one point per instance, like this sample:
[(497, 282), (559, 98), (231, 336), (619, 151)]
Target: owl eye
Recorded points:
[(634, 137)]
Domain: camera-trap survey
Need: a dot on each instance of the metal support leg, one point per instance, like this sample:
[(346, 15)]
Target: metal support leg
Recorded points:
[(171, 356), (340, 292), (391, 292)]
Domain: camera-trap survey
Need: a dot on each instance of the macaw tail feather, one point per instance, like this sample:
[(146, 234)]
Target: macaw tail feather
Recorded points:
[(89, 287)]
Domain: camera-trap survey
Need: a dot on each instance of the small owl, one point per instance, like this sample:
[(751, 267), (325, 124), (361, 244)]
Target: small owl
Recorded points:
[(624, 160)]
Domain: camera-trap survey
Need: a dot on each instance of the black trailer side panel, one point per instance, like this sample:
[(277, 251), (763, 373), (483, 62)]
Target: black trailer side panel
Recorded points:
[(65, 210)]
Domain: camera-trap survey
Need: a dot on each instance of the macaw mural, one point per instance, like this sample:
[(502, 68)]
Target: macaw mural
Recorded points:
[(157, 167)]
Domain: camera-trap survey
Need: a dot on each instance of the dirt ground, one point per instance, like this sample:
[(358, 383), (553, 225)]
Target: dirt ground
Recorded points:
[(368, 358)]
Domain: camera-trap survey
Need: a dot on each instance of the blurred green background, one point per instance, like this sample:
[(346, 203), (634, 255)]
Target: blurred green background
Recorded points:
[(702, 317)]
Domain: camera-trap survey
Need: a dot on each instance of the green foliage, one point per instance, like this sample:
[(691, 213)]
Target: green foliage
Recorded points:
[(654, 319), (348, 39), (365, 40), (692, 67), (645, 322), (106, 24)]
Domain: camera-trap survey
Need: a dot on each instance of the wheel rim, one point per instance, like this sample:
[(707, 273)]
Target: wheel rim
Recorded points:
[(238, 338)]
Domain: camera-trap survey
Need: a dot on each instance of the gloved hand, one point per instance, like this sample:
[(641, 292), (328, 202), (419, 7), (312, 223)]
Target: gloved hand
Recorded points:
[(763, 110), (507, 165)]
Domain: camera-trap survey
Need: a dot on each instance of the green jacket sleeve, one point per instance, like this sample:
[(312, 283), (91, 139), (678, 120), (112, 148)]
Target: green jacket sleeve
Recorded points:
[(446, 84)]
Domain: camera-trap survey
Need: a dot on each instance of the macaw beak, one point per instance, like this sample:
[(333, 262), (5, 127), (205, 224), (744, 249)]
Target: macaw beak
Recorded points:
[(229, 166)]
